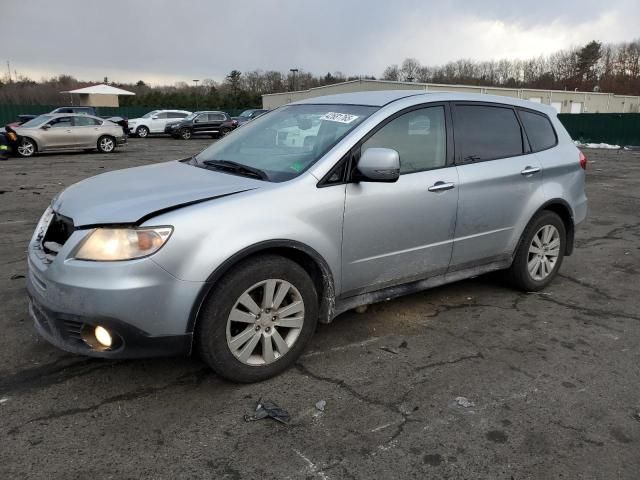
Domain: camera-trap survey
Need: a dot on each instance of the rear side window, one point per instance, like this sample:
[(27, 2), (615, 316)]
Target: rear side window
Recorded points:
[(539, 130), (216, 117), (177, 115), (486, 133), (86, 122)]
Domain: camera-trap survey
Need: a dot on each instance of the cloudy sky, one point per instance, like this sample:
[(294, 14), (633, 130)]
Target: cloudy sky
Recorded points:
[(164, 41)]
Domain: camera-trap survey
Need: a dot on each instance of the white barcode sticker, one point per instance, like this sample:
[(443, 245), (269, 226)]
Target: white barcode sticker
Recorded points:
[(339, 117)]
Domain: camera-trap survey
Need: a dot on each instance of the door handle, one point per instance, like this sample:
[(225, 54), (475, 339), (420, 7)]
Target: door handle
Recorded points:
[(440, 187), (530, 170)]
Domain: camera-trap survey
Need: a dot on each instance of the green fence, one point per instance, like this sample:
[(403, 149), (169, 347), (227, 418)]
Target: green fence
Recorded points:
[(612, 128), (9, 113)]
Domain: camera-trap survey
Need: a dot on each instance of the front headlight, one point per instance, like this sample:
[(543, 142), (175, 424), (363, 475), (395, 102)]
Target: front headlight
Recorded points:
[(126, 243)]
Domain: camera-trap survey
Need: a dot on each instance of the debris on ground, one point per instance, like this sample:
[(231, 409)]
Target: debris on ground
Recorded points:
[(636, 416), (390, 350), (2, 400), (268, 410), (16, 276), (464, 402), (361, 309), (321, 405), (404, 344)]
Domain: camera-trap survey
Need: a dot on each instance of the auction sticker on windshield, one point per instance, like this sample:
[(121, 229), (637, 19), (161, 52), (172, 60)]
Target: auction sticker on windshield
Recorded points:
[(339, 117)]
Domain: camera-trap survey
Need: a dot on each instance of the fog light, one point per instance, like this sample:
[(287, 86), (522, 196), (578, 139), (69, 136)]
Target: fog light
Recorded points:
[(103, 336)]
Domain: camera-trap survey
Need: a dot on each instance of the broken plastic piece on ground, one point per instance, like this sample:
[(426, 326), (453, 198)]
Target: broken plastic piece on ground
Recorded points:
[(321, 405), (464, 402), (390, 350), (268, 410), (2, 400)]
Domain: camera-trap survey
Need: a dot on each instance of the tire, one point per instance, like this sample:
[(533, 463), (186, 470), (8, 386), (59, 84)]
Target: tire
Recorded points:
[(142, 131), (224, 132), (27, 148), (185, 134), (217, 331), (543, 271), (106, 144)]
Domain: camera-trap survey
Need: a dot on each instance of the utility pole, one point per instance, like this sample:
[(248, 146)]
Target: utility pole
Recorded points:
[(293, 71), (196, 83), (9, 70)]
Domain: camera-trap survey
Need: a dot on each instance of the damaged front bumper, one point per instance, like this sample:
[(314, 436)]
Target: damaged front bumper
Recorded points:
[(145, 308)]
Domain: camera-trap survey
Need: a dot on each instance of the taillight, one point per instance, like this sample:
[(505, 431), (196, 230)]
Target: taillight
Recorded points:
[(583, 161)]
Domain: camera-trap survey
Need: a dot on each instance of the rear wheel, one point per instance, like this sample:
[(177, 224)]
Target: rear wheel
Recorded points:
[(106, 144), (540, 252), (27, 148), (142, 131), (258, 319), (185, 134), (224, 132)]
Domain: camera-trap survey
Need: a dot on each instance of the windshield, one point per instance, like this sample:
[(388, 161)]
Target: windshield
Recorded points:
[(34, 122), (285, 142), (150, 114)]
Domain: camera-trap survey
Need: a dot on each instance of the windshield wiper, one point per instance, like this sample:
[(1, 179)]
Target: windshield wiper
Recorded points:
[(238, 168)]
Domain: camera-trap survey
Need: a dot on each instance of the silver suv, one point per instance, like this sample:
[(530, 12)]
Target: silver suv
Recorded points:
[(310, 210)]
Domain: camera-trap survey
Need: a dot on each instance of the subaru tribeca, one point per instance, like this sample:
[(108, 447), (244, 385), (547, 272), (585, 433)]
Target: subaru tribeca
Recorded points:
[(239, 251)]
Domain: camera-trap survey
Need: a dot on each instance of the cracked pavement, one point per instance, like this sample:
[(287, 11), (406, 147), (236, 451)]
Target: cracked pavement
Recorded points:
[(553, 377)]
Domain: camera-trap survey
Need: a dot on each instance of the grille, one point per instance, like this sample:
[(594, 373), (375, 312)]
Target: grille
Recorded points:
[(59, 231), (73, 329)]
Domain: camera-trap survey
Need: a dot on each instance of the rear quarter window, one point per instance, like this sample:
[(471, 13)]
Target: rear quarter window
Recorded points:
[(485, 132), (539, 130)]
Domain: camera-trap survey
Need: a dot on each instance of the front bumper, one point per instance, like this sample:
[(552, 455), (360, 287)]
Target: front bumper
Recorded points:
[(120, 141), (142, 305)]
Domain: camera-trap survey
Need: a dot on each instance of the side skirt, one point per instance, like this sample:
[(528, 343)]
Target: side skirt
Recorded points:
[(348, 303)]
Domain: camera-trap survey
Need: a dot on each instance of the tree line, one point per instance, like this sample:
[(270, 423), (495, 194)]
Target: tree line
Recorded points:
[(612, 68)]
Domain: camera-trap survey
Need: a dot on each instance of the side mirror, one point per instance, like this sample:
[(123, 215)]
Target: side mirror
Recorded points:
[(378, 165), (46, 126), (155, 117)]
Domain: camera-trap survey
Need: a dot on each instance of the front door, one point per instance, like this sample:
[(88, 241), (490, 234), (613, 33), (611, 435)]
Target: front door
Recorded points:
[(400, 232), (158, 122), (59, 135)]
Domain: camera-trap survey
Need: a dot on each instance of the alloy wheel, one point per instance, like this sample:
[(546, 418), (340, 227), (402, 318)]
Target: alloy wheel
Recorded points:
[(265, 322), (543, 252), (107, 144), (26, 148)]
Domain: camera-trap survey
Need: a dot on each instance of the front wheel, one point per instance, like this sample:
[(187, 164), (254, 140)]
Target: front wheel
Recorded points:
[(185, 134), (540, 252), (106, 144), (27, 148), (142, 131), (258, 319)]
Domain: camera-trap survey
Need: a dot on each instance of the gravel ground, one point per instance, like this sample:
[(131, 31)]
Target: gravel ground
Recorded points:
[(551, 381)]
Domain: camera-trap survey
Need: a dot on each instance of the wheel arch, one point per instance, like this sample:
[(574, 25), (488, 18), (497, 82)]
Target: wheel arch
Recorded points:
[(561, 208), (308, 258)]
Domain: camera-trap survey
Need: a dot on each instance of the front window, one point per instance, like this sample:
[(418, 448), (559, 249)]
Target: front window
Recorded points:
[(287, 141), (191, 116), (36, 122), (247, 113), (150, 114)]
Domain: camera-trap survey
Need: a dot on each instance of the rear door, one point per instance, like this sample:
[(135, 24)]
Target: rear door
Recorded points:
[(499, 181), (86, 131), (215, 121), (400, 232)]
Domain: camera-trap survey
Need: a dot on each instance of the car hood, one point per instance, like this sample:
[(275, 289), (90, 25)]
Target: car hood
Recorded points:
[(136, 194)]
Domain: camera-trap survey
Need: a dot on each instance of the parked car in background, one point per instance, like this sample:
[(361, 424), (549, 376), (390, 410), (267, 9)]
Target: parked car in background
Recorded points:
[(238, 251), (155, 121), (70, 109), (249, 115), (213, 123), (67, 132)]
